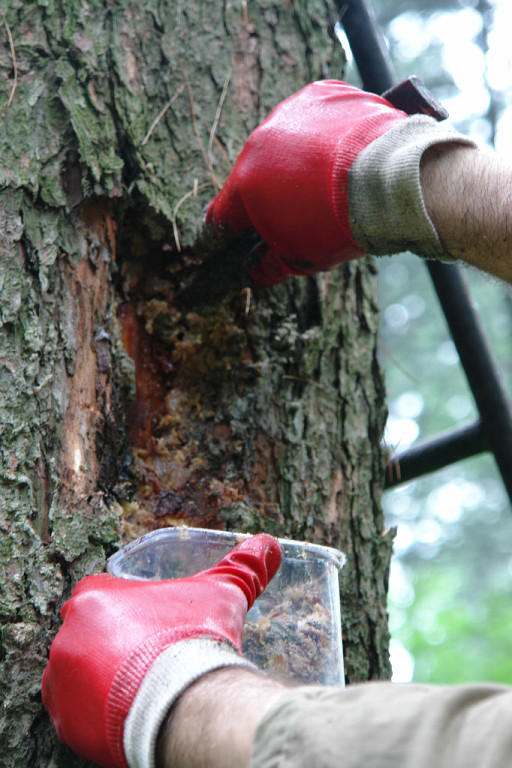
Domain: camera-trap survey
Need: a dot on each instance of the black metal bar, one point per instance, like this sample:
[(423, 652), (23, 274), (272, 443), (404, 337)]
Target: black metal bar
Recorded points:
[(375, 67), (477, 359), (435, 453), (367, 45)]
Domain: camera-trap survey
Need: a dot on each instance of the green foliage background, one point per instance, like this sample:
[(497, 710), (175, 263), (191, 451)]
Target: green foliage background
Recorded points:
[(450, 597), (451, 583)]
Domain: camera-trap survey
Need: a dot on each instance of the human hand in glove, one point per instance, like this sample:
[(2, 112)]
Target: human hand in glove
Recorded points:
[(332, 173), (127, 649)]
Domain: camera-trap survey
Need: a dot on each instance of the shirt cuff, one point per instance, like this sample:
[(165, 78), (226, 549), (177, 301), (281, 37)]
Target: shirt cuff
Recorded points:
[(170, 674), (387, 212)]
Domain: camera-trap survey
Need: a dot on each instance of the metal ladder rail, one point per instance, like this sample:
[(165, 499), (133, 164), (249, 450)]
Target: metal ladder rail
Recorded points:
[(493, 430)]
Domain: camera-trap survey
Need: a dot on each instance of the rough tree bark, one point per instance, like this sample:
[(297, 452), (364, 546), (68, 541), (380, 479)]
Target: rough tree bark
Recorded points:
[(121, 411)]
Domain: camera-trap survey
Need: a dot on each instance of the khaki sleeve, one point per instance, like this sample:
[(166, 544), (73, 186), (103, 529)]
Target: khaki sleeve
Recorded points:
[(388, 725)]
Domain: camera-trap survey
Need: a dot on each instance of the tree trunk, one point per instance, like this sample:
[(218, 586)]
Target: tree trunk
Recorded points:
[(121, 410)]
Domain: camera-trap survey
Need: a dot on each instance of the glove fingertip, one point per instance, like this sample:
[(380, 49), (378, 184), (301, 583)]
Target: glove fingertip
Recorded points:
[(227, 209), (251, 565), (268, 549), (46, 688), (49, 701), (271, 269)]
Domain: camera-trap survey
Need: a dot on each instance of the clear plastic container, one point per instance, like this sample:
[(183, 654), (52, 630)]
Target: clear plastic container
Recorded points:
[(293, 629)]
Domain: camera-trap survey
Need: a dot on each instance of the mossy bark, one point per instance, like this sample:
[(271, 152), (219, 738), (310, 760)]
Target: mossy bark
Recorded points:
[(262, 412)]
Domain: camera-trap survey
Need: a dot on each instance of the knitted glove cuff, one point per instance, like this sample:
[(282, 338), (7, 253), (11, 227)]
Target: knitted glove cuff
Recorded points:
[(386, 208), (177, 667)]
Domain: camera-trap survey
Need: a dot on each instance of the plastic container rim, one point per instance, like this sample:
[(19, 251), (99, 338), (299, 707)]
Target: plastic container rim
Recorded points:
[(291, 547)]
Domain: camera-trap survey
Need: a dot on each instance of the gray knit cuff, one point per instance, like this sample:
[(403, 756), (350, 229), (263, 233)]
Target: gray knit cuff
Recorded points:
[(170, 674), (386, 208)]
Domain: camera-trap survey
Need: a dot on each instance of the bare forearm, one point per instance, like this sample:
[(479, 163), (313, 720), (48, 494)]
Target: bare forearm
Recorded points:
[(212, 724), (468, 195)]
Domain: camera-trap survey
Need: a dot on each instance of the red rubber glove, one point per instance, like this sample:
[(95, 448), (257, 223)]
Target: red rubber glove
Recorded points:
[(114, 629), (290, 182)]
